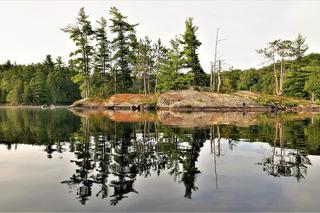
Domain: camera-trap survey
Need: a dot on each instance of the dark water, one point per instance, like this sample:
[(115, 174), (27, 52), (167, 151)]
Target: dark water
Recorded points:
[(54, 160)]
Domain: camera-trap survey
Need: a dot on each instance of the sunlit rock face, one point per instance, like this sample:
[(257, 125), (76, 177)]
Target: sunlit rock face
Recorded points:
[(196, 99)]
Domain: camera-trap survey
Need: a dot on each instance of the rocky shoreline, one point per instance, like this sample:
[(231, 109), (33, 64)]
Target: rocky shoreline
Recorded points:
[(196, 101)]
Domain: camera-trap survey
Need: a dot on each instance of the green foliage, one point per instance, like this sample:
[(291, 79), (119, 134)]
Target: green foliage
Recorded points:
[(36, 84), (312, 84), (169, 74), (122, 45), (16, 94), (190, 57), (300, 79), (101, 81), (144, 63), (40, 93), (81, 34)]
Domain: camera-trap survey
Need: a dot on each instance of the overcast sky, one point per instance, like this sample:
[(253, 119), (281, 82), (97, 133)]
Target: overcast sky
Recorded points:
[(31, 29)]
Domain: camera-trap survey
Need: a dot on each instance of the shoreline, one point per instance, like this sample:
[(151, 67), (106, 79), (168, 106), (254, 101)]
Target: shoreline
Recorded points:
[(34, 106), (198, 101)]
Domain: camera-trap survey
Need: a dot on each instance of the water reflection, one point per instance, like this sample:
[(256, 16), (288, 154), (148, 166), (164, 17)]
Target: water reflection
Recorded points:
[(129, 150), (110, 156), (285, 162)]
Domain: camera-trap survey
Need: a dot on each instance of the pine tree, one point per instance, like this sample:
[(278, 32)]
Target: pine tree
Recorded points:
[(170, 77), (299, 47), (122, 44), (145, 62), (40, 92), (159, 55), (100, 79), (15, 96), (27, 94), (52, 89), (103, 53), (190, 56), (81, 34)]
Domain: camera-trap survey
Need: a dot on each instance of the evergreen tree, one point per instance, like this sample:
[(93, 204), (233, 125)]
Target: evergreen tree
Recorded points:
[(27, 94), (103, 53), (40, 88), (145, 62), (81, 34), (15, 95), (48, 65), (170, 77), (122, 44), (312, 83), (299, 47), (101, 79), (190, 56), (159, 54), (52, 89)]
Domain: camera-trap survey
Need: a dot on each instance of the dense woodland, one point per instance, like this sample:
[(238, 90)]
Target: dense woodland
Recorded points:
[(109, 58)]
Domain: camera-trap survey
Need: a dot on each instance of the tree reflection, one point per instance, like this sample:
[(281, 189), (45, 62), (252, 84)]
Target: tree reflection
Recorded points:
[(285, 162), (110, 157), (126, 151)]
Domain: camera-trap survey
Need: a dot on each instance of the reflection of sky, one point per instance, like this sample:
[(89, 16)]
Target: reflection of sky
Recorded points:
[(31, 182)]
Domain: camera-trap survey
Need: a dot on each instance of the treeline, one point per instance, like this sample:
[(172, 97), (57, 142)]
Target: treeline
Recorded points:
[(301, 78), (126, 63), (109, 58), (48, 82)]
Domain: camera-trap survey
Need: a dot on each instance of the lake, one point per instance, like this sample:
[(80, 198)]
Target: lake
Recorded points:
[(61, 160)]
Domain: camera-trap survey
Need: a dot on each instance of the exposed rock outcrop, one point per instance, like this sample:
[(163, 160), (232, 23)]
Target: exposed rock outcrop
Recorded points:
[(189, 100), (122, 101), (206, 101)]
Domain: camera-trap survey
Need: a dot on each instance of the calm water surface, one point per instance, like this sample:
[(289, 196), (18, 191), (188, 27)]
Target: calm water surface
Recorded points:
[(58, 160)]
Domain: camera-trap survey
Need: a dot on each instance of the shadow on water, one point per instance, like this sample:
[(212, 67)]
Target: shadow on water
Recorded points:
[(111, 155)]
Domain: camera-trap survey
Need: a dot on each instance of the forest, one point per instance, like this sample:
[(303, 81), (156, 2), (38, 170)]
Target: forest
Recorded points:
[(109, 58)]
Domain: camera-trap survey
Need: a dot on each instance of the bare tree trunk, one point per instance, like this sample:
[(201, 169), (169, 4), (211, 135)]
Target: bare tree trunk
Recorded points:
[(144, 84), (156, 84), (281, 76), (85, 88), (312, 96), (148, 78), (114, 72), (88, 87), (282, 71), (219, 77), (214, 62), (212, 77), (275, 76)]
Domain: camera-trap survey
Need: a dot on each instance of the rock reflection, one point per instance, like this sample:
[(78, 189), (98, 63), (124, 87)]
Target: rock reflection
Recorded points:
[(110, 156)]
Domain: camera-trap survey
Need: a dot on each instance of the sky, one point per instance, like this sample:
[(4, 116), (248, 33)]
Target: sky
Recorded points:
[(32, 29)]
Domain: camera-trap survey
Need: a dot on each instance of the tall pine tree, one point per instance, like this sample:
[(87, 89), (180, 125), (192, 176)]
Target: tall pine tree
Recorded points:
[(100, 80), (190, 56), (81, 34), (123, 49)]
